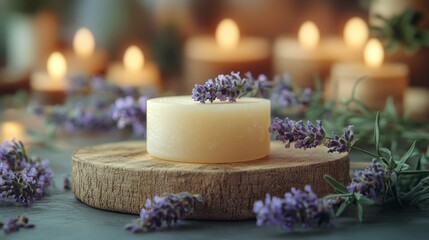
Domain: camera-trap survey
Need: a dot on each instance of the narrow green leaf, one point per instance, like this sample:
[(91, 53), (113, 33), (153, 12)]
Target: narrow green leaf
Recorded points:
[(405, 157), (377, 133), (366, 201), (341, 209), (360, 212), (340, 188)]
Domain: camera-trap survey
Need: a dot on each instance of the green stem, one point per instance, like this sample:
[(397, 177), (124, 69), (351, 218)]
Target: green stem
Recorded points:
[(366, 152)]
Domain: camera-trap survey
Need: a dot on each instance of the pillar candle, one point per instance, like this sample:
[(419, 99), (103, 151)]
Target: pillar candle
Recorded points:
[(180, 129), (86, 58), (134, 71), (49, 85), (379, 80), (309, 56), (207, 56)]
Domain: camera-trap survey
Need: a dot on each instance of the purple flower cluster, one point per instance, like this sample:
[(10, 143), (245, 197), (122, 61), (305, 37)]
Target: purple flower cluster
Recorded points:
[(168, 209), (22, 179), (369, 182), (126, 111), (259, 87), (343, 143), (285, 95), (14, 224), (304, 136), (230, 87), (89, 106), (310, 136), (297, 208), (224, 87)]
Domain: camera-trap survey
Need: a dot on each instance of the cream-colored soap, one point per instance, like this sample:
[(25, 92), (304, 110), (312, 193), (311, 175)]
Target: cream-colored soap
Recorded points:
[(180, 129)]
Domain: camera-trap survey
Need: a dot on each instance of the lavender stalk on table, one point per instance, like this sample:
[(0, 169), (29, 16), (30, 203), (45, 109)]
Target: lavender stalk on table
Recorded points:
[(23, 179), (369, 182), (14, 224), (297, 209), (128, 112), (168, 209), (93, 105)]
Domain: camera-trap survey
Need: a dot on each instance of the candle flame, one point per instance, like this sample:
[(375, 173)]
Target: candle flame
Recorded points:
[(57, 66), (308, 35), (227, 34), (83, 43), (355, 32), (133, 58), (373, 53), (10, 130)]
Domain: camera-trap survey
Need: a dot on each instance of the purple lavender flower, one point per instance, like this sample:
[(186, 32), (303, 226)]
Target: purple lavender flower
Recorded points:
[(343, 143), (285, 95), (369, 182), (22, 179), (297, 208), (126, 111), (304, 136), (168, 209), (256, 87), (310, 136), (14, 224), (229, 88)]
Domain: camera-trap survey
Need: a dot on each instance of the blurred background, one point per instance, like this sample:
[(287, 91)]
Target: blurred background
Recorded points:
[(161, 28), (167, 46)]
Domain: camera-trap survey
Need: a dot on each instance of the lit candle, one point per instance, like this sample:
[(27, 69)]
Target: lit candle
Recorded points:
[(310, 56), (207, 56), (134, 71), (11, 130), (50, 84), (85, 58), (180, 129), (379, 80)]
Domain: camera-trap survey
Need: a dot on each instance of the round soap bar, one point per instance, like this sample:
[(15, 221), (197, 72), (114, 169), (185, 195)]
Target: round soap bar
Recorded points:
[(180, 129)]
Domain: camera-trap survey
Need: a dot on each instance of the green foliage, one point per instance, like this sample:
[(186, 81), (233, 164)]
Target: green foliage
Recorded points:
[(402, 30), (406, 178), (397, 129)]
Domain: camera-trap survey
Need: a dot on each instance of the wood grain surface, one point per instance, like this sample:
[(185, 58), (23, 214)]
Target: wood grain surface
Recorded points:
[(121, 176)]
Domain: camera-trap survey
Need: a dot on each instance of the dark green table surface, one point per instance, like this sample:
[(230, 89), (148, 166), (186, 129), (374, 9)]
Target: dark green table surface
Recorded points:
[(61, 216)]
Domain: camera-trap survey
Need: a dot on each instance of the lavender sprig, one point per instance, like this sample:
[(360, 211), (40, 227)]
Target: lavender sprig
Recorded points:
[(309, 135), (369, 182), (128, 112), (89, 106), (297, 208), (22, 179), (284, 94), (168, 209), (14, 224), (230, 87)]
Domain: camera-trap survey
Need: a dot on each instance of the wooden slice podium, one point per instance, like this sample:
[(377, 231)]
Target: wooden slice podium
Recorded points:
[(121, 176)]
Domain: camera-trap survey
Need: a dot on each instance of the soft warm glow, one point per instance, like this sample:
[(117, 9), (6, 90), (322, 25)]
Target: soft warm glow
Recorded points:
[(308, 35), (355, 32), (373, 54), (57, 66), (227, 34), (83, 43), (133, 58), (10, 130)]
